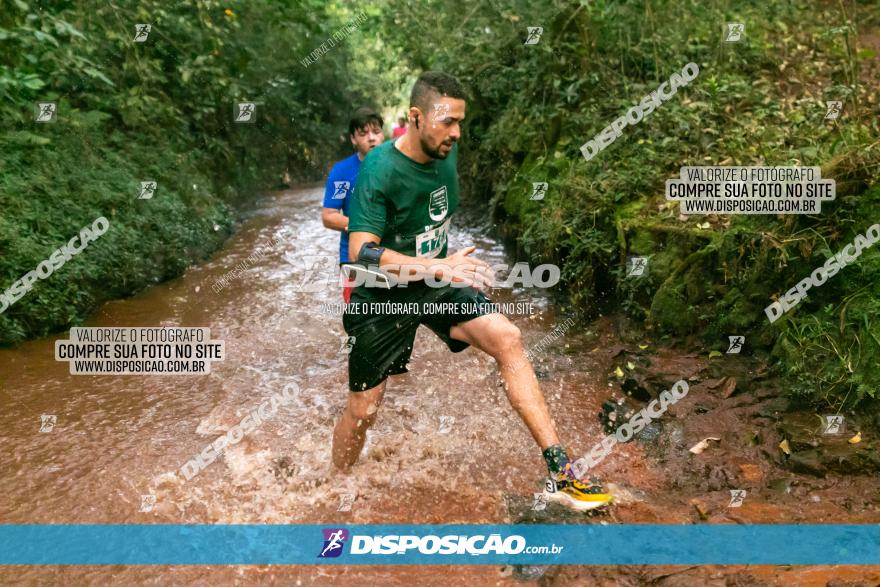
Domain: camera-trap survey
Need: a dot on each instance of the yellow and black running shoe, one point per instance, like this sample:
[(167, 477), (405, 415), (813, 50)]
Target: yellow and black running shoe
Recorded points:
[(565, 489)]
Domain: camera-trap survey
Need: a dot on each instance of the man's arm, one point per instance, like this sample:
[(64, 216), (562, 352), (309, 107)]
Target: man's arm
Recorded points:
[(334, 219), (458, 267)]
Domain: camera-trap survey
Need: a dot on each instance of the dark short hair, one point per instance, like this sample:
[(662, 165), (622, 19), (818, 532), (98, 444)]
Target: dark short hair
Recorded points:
[(434, 82), (362, 118)]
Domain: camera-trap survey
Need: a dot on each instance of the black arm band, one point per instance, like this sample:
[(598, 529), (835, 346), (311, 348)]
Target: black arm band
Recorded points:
[(370, 254)]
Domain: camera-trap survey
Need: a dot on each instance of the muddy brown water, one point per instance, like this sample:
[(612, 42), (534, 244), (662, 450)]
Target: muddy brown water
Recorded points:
[(118, 438)]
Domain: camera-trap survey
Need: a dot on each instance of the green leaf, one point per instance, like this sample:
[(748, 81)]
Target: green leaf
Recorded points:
[(33, 83), (23, 137), (41, 36), (92, 72)]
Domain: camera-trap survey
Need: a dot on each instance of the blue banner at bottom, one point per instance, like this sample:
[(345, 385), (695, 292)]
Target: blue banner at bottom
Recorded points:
[(851, 544)]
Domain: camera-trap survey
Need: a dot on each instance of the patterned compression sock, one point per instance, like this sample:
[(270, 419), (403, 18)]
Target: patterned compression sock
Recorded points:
[(556, 458)]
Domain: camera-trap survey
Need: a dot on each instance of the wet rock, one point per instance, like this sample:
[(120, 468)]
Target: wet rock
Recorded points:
[(802, 430), (774, 408), (729, 387), (782, 485), (634, 387), (843, 458), (529, 572), (808, 462), (613, 415), (717, 478)]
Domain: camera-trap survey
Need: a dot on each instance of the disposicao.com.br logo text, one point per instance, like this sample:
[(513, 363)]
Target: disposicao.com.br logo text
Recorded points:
[(477, 545)]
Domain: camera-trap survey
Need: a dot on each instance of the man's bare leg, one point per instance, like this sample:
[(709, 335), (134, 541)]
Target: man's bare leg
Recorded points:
[(351, 429), (497, 336)]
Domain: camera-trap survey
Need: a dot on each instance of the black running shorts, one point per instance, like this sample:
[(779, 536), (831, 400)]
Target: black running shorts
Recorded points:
[(383, 324)]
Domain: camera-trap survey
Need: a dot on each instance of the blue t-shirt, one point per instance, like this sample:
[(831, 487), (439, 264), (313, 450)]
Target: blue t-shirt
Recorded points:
[(340, 185)]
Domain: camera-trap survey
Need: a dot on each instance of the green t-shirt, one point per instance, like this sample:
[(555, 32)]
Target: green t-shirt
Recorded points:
[(407, 204)]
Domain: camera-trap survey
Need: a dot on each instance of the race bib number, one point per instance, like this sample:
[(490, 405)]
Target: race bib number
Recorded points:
[(431, 242)]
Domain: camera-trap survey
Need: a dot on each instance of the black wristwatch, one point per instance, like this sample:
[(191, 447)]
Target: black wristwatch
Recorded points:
[(370, 254)]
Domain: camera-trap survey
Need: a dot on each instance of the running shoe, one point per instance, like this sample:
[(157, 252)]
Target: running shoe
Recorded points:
[(567, 490)]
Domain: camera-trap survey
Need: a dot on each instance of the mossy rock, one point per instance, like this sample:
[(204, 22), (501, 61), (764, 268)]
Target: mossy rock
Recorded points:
[(671, 312)]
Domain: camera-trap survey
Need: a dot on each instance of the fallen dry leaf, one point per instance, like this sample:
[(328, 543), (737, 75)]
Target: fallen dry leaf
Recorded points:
[(703, 445), (784, 446)]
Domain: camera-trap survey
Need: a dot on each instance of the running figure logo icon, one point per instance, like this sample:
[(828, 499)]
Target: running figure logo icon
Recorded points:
[(539, 190), (440, 112), (245, 112), (637, 266), (141, 32), (334, 540), (147, 503), (834, 107), (540, 502), (446, 423), (148, 188), (45, 111), (736, 344), (346, 500), (535, 33), (834, 425), (47, 422), (347, 344), (737, 496), (341, 188), (735, 32)]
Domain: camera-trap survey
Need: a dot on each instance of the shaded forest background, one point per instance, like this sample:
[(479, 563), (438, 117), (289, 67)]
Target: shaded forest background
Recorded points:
[(163, 110)]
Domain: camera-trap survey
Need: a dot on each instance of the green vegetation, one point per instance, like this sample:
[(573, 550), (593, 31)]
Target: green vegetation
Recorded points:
[(163, 110), (757, 102), (160, 110)]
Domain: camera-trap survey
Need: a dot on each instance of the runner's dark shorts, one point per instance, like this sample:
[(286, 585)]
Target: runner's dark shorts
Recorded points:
[(383, 340)]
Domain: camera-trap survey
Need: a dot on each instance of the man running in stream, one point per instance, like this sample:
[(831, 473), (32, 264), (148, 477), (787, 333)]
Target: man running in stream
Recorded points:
[(365, 132), (407, 190)]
